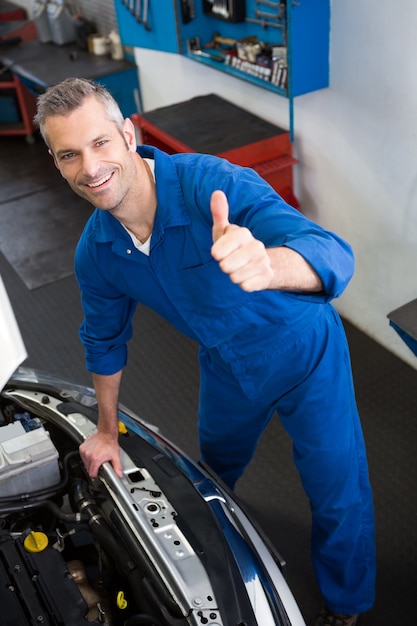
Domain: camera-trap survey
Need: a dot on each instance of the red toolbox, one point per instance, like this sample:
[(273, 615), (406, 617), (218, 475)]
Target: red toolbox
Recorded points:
[(212, 125)]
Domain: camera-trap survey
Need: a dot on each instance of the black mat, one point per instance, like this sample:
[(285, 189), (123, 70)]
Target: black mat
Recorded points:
[(40, 216), (24, 168), (226, 126)]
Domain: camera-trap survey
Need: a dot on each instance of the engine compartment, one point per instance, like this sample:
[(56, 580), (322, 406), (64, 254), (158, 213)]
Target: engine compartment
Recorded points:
[(61, 561), (165, 544)]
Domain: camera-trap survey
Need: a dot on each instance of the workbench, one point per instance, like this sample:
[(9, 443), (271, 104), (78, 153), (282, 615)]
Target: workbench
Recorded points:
[(212, 125), (404, 321), (39, 65)]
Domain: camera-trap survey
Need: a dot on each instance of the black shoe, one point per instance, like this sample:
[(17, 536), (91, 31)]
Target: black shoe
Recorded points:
[(328, 618)]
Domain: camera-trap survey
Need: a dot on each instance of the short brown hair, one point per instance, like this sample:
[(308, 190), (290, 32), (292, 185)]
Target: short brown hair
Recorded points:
[(70, 94)]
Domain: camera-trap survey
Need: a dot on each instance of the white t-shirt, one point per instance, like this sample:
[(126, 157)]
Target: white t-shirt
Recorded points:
[(146, 246)]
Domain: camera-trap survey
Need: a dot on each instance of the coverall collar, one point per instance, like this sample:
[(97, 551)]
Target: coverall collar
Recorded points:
[(169, 213)]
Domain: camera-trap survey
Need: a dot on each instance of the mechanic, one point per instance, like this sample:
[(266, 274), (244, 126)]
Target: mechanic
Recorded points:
[(213, 249)]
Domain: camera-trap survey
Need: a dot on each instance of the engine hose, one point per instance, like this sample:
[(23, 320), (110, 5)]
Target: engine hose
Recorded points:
[(72, 518), (6, 509), (100, 528), (116, 551)]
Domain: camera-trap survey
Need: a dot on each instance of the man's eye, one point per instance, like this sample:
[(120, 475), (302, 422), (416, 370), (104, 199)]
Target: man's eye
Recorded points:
[(66, 157), (102, 142)]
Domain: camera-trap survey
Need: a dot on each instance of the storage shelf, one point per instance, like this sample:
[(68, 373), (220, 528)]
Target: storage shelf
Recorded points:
[(227, 69)]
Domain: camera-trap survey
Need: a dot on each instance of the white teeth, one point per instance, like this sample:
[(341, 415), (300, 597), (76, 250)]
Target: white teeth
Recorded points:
[(100, 182)]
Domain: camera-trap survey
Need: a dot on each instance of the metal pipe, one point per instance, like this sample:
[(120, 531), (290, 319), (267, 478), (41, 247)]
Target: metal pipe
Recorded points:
[(264, 23), (266, 16), (268, 3)]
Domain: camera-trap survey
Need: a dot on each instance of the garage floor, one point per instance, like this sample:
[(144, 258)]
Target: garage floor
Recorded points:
[(39, 225)]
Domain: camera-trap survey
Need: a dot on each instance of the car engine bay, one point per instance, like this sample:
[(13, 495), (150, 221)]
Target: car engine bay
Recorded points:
[(165, 545), (53, 568)]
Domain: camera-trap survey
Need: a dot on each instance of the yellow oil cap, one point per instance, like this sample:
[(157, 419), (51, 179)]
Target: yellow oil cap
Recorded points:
[(36, 542), (122, 428), (121, 600)]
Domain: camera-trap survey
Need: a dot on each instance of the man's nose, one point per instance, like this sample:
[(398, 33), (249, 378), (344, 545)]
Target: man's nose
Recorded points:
[(91, 164)]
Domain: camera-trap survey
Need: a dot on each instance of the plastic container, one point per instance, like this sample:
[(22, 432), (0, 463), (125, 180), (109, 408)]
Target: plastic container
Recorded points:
[(100, 44), (40, 18), (60, 22), (116, 48), (28, 460)]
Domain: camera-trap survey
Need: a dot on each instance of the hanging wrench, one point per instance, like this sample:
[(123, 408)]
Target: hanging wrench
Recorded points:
[(138, 9), (269, 3), (266, 16), (145, 14)]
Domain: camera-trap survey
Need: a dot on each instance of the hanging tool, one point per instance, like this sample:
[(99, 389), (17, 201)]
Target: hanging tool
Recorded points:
[(267, 16), (138, 9), (187, 11), (270, 4), (264, 23), (220, 7), (145, 14), (279, 6), (218, 42)]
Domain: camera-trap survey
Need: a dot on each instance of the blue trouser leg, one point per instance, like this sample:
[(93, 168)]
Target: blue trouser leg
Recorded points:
[(230, 423), (313, 393), (322, 419)]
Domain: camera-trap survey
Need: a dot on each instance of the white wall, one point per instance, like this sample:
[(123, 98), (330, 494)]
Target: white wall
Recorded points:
[(356, 142), (25, 4)]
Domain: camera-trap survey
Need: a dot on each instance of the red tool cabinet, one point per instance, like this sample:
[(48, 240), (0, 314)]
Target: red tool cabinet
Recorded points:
[(212, 125), (24, 104), (17, 103)]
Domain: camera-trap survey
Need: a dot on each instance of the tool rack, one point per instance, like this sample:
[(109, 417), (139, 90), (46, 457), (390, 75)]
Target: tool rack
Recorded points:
[(282, 46)]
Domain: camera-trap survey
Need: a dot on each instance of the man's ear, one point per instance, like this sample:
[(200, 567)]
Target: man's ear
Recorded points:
[(129, 134)]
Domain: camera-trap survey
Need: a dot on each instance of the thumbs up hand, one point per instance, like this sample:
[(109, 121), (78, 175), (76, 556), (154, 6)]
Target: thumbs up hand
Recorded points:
[(239, 254), (220, 213)]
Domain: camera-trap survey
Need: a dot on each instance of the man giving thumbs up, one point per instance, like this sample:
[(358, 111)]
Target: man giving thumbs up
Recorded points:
[(214, 250)]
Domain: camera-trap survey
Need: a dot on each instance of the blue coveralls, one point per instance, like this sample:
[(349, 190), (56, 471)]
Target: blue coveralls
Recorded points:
[(259, 353)]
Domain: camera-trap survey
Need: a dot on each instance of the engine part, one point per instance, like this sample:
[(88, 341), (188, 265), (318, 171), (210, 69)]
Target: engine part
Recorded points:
[(28, 459), (37, 587)]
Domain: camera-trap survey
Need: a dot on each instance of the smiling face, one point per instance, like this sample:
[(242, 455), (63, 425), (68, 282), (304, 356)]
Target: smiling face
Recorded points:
[(96, 158)]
